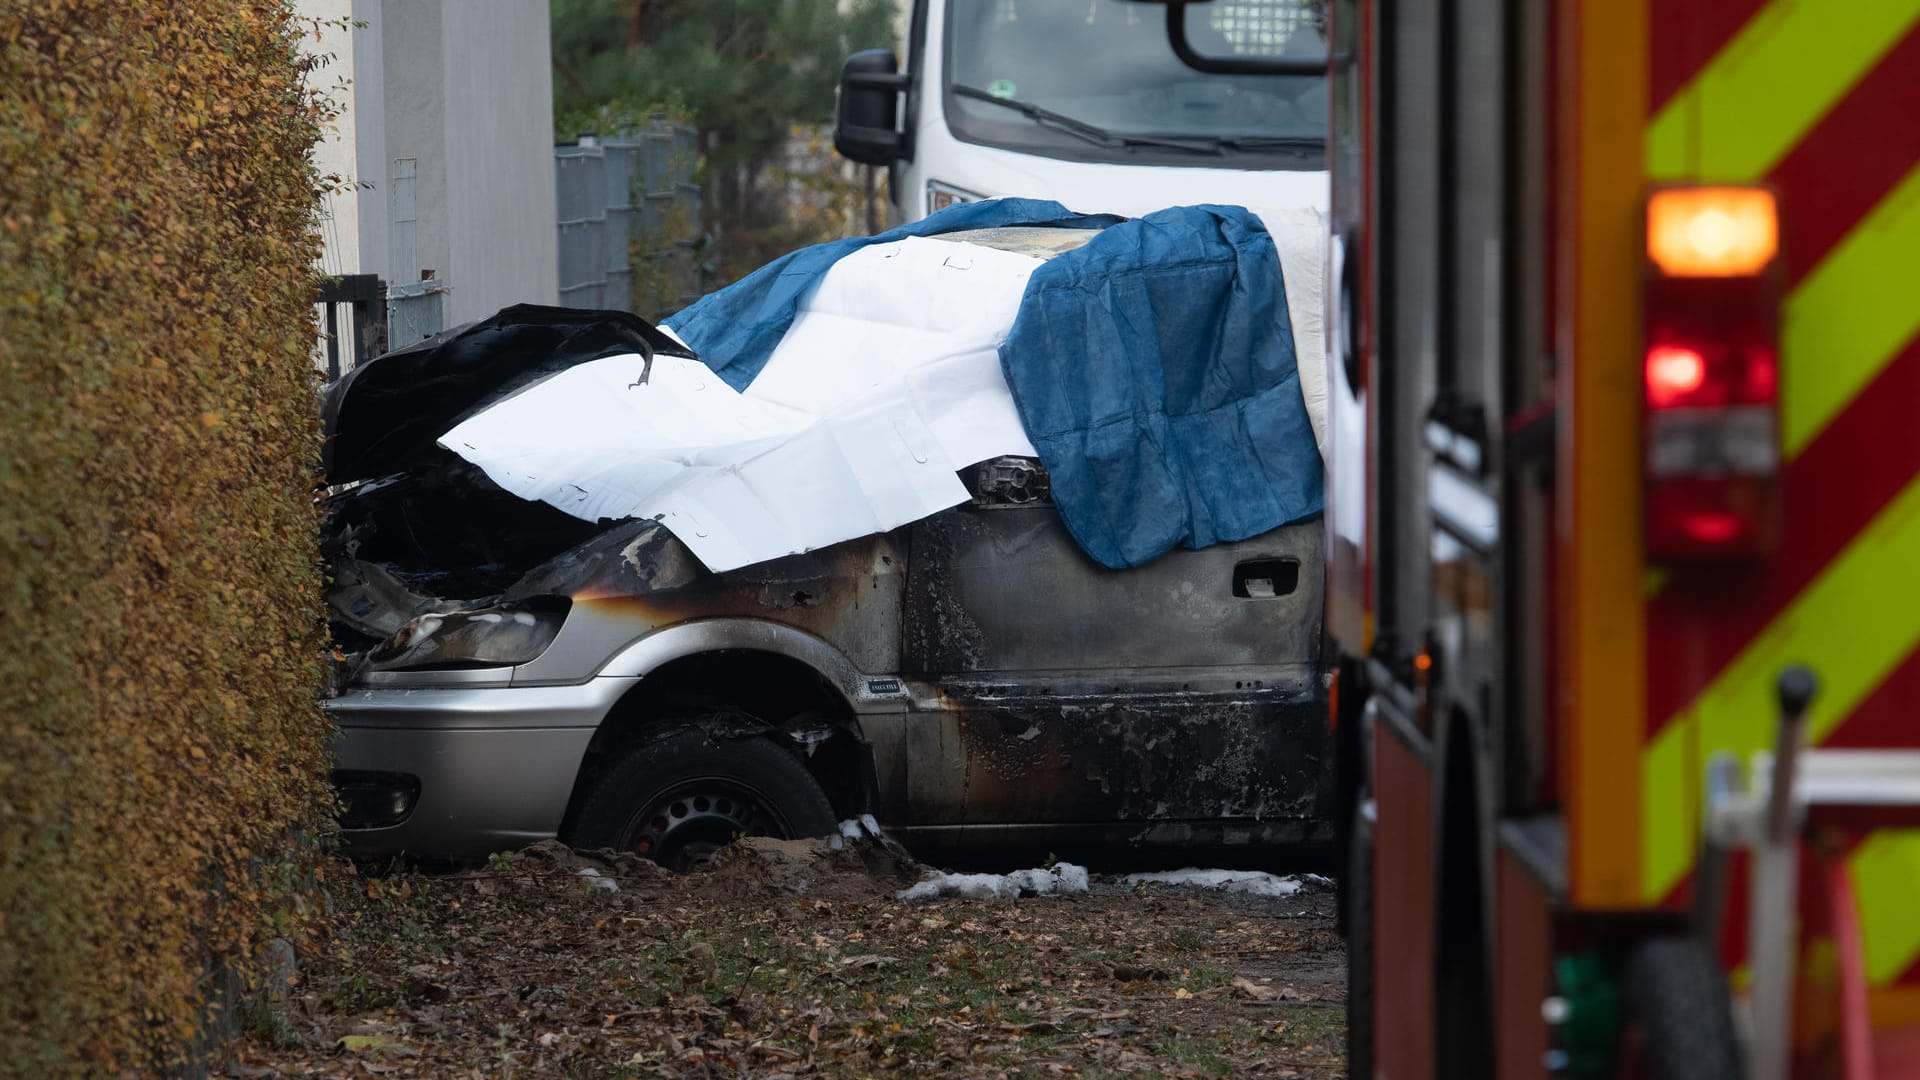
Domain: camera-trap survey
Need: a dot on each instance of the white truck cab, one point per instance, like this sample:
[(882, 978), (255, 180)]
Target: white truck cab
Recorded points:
[(1086, 102)]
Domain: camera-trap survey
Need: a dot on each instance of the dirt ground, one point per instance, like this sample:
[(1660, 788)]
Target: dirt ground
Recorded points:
[(797, 959)]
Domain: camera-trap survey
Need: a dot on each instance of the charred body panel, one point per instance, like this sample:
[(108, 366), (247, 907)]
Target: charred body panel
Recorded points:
[(1000, 586), (1180, 700), (847, 596), (1192, 763), (1087, 753)]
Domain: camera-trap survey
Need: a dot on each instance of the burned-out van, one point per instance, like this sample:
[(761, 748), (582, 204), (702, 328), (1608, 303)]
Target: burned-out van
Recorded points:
[(971, 678)]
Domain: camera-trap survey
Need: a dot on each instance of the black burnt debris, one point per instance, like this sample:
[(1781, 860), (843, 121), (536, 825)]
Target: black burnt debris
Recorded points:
[(431, 561)]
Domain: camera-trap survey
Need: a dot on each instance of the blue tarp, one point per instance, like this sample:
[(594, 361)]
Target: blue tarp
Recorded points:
[(734, 330), (1153, 369)]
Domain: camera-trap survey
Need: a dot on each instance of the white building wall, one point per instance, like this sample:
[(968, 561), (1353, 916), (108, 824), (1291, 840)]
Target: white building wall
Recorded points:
[(413, 177), (370, 136), (460, 94), (497, 75), (328, 36)]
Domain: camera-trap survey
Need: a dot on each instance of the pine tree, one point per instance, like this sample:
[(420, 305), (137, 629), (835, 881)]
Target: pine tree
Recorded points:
[(748, 72)]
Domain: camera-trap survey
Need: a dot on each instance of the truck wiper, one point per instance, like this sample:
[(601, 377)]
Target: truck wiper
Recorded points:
[(1274, 142), (1090, 132)]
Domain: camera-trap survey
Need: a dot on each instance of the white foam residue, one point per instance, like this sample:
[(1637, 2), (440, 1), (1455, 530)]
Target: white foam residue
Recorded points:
[(594, 880), (1061, 879), (1251, 882), (862, 826)]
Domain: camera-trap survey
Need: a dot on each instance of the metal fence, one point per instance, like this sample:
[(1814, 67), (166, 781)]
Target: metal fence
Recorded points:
[(353, 321), (629, 203), (416, 311), (360, 316)]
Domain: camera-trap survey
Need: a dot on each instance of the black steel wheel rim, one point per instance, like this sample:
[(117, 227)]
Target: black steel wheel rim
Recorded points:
[(687, 824)]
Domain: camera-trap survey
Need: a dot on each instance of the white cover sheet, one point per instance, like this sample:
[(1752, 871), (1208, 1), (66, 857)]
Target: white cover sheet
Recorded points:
[(886, 384)]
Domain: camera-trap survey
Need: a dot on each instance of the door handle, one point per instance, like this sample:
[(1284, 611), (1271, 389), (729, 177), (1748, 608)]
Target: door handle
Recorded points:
[(1266, 579)]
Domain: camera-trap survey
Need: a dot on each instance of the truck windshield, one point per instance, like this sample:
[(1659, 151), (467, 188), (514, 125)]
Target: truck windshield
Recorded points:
[(1096, 80)]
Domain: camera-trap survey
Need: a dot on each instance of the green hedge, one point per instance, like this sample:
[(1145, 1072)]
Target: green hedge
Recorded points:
[(159, 733)]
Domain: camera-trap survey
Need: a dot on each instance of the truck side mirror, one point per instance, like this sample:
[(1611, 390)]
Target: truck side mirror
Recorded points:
[(864, 125)]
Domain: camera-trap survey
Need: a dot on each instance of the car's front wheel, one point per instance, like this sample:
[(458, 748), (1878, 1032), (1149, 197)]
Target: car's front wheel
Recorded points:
[(679, 799)]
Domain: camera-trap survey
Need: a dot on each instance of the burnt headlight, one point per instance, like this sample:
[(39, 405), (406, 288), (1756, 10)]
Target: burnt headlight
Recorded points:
[(498, 636)]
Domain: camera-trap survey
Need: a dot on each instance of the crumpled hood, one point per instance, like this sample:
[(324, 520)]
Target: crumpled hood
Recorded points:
[(382, 417)]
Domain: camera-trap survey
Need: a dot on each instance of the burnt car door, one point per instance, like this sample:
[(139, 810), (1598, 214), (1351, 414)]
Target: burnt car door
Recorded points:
[(1054, 690)]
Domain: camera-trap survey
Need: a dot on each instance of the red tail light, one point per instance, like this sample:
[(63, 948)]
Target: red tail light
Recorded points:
[(1674, 374), (1711, 374)]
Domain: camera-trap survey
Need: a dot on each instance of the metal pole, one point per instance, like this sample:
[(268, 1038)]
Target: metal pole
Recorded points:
[(333, 340), (1776, 865)]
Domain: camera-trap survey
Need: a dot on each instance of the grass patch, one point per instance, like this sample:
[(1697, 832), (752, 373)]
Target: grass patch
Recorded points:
[(523, 970)]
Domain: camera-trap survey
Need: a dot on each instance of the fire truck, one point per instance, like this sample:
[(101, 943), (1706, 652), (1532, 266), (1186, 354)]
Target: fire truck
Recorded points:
[(1624, 533)]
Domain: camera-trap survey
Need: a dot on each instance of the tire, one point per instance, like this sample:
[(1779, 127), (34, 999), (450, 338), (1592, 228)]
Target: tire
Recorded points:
[(1678, 1015), (1463, 1036), (1356, 903), (680, 798)]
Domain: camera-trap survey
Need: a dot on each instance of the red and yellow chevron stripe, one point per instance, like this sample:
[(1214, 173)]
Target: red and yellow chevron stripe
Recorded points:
[(1821, 101)]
